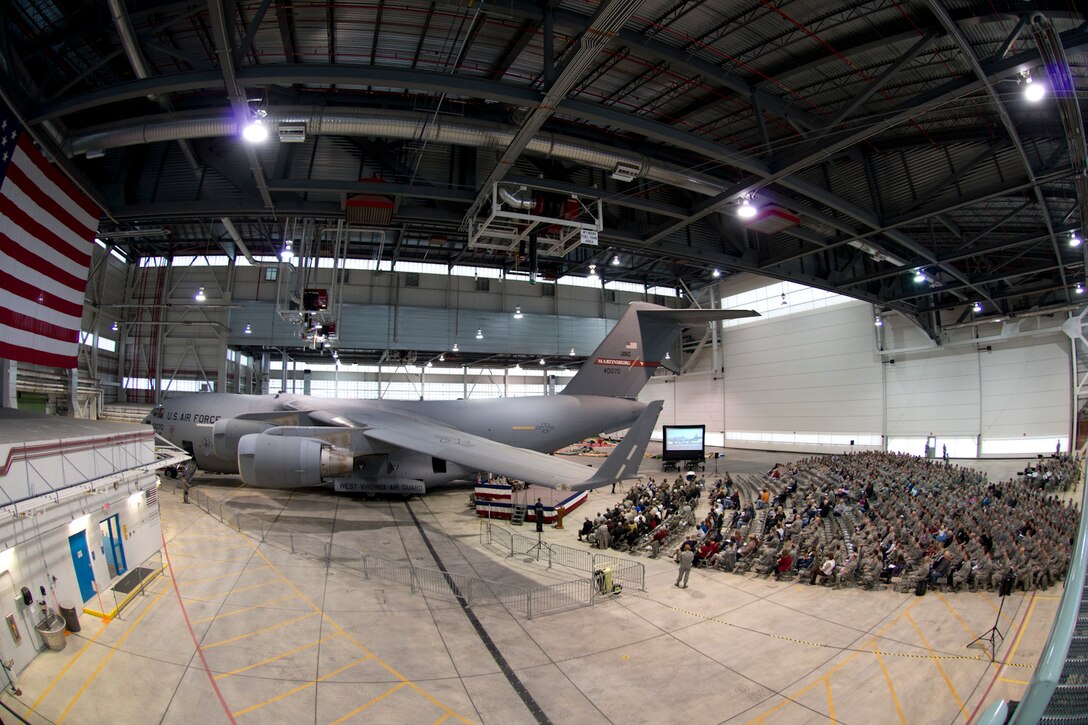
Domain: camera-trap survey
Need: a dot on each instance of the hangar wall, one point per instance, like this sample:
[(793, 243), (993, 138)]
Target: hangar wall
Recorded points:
[(818, 381)]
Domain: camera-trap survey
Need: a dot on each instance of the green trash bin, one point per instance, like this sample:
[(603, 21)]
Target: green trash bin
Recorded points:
[(52, 631)]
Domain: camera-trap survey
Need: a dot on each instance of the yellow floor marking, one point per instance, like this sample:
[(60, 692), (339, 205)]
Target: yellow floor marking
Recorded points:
[(223, 595), (1023, 629), (67, 667), (830, 700), (241, 610), (888, 679), (386, 666), (222, 576), (116, 646), (970, 632), (300, 688), (442, 719), (380, 697), (986, 597), (218, 561), (277, 625), (1013, 682), (937, 662), (280, 656)]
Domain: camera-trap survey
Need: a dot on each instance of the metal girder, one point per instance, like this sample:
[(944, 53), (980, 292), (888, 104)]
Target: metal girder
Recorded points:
[(976, 68), (251, 32), (610, 16), (235, 92)]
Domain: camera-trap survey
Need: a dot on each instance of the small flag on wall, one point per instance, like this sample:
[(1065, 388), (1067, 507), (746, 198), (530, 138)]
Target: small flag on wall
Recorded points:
[(47, 229)]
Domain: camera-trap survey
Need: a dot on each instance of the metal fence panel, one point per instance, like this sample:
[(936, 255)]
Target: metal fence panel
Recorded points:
[(391, 572), (346, 558), (564, 595), (311, 546)]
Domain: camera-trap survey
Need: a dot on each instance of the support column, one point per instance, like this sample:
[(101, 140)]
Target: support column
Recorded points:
[(8, 371), (307, 377), (283, 373), (73, 393)]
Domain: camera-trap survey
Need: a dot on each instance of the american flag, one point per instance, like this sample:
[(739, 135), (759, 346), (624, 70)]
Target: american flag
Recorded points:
[(47, 227), (632, 346)]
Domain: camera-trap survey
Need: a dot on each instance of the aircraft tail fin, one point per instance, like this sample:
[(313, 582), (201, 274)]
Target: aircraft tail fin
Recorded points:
[(630, 353), (623, 462)]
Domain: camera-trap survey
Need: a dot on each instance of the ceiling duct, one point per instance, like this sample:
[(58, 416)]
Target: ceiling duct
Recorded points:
[(515, 202)]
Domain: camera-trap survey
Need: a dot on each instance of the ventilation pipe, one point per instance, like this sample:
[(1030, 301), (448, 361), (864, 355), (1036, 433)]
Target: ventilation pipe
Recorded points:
[(515, 202)]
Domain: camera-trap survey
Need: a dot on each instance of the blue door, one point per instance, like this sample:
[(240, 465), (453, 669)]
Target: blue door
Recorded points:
[(112, 546), (81, 560)]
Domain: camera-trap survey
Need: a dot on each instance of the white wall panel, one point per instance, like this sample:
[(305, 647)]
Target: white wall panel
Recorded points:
[(1027, 389), (934, 392)]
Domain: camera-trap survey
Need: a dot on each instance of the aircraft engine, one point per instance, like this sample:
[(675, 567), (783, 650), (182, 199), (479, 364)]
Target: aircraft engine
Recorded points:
[(226, 432), (274, 461)]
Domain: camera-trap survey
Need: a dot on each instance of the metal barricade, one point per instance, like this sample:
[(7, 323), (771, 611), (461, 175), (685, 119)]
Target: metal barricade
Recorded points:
[(564, 595)]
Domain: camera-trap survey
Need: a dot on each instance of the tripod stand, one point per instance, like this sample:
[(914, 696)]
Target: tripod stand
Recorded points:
[(1004, 589), (540, 545)]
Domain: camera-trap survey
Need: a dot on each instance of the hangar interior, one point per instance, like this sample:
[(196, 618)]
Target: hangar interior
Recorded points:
[(456, 199)]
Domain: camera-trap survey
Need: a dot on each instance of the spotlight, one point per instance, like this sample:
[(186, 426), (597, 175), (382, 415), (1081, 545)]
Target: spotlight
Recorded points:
[(1074, 240), (248, 330), (746, 210), (716, 273), (114, 327), (1033, 92), (977, 307), (615, 260), (919, 276), (517, 313), (287, 253), (199, 296), (255, 131), (479, 334), (879, 322)]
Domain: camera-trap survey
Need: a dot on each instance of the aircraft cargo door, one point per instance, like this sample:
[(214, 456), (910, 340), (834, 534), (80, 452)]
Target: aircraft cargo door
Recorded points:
[(81, 560)]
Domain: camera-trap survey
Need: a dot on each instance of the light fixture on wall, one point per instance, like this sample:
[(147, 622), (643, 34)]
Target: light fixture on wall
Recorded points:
[(479, 333), (199, 296), (517, 313)]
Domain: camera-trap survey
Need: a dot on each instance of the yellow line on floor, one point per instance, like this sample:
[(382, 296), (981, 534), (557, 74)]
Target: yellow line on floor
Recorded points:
[(114, 648), (217, 561), (277, 625), (1013, 682), (830, 700), (379, 698), (947, 681), (242, 610), (280, 656), (988, 600), (213, 597), (444, 718), (68, 666), (970, 632), (1023, 629), (300, 688), (332, 623), (222, 576), (888, 679)]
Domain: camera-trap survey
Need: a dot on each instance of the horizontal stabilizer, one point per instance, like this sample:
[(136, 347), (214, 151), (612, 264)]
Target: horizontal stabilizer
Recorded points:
[(623, 462)]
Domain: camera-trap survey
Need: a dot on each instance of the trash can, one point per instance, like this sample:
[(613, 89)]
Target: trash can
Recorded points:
[(71, 617), (52, 631)]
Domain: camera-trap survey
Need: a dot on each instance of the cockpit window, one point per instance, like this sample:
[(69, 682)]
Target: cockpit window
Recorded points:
[(156, 412)]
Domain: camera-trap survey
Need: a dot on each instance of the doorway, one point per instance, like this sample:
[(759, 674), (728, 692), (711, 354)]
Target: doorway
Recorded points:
[(112, 546), (81, 560)]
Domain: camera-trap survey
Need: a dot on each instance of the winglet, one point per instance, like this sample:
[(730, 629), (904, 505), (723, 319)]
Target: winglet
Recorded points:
[(625, 459)]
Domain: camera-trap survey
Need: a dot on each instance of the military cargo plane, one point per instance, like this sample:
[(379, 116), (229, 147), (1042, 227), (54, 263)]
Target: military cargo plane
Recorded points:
[(402, 447)]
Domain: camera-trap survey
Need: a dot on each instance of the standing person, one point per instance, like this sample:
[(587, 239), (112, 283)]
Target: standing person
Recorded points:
[(687, 558), (538, 514)]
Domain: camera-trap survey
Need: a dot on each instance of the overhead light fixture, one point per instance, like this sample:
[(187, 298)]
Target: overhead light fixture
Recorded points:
[(592, 271), (248, 330), (878, 322), (479, 333), (255, 131), (455, 348), (615, 260), (288, 252), (1074, 240), (784, 299), (716, 273), (114, 327), (541, 361), (442, 357), (517, 366), (199, 296), (1033, 91), (977, 307), (920, 276), (572, 352), (668, 356), (746, 210), (1080, 288), (430, 364), (517, 313)]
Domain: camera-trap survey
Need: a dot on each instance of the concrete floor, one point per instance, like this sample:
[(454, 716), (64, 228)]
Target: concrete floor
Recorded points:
[(283, 639)]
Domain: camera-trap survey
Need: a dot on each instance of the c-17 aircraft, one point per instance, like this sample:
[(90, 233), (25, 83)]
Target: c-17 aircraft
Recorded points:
[(402, 447)]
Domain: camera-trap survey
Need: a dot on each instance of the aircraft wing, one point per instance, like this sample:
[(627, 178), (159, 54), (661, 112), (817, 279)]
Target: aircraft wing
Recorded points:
[(482, 454)]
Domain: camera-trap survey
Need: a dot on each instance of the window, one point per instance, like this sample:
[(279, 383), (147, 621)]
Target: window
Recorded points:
[(780, 299), (271, 274), (547, 290), (483, 284), (411, 279)]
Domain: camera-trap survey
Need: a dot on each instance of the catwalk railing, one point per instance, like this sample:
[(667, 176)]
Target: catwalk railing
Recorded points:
[(1058, 691), (465, 590)]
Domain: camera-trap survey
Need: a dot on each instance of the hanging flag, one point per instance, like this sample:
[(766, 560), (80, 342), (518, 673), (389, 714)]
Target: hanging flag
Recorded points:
[(47, 229)]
